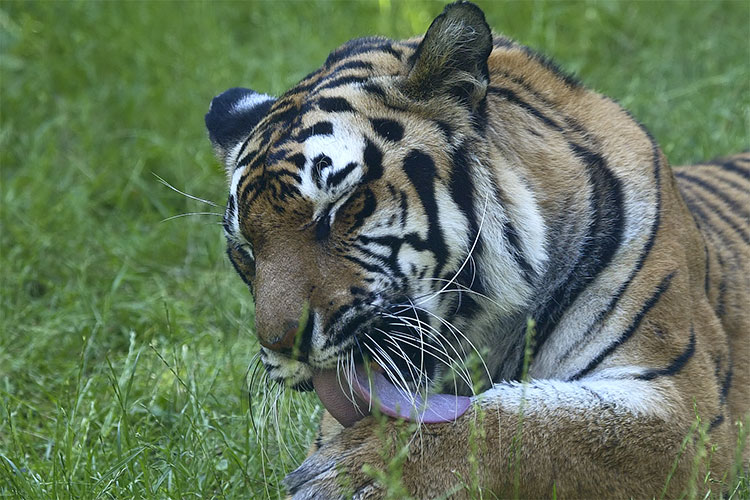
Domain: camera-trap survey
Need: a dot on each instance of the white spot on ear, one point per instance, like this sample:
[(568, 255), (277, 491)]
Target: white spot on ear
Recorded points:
[(248, 102)]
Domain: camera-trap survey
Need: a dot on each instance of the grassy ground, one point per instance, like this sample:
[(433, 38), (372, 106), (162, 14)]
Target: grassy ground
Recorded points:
[(125, 341)]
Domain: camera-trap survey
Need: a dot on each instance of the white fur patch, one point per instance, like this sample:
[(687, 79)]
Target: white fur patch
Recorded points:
[(523, 212), (234, 218), (344, 146), (636, 397), (248, 102)]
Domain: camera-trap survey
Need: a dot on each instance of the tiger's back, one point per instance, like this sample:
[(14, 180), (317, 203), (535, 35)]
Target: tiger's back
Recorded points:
[(717, 193)]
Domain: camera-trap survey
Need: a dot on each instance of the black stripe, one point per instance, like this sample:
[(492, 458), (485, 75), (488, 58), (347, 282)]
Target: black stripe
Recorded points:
[(341, 81), (726, 385), (301, 352), (352, 65), (445, 129), (390, 130), (404, 205), (716, 192), (281, 116), (730, 182), (348, 330), (278, 174), (718, 212), (373, 158), (421, 171), (242, 148), (392, 243), (374, 89), (390, 261), (716, 422), (334, 105), (298, 160), (701, 217), (252, 158), (338, 177), (601, 242), (462, 191), (248, 157), (277, 155), (239, 266), (336, 316), (734, 167), (369, 203), (720, 238), (320, 128), (511, 235), (229, 214), (676, 365), (365, 265), (650, 303), (249, 193), (722, 286), (512, 97)]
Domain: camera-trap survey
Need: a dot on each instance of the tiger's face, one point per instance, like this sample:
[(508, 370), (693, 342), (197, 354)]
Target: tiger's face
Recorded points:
[(340, 215), (353, 215)]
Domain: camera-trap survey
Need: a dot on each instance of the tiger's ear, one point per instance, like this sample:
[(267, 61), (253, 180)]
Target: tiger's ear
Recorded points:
[(230, 118), (452, 57)]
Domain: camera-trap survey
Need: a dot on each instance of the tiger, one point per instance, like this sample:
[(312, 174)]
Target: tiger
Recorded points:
[(411, 207)]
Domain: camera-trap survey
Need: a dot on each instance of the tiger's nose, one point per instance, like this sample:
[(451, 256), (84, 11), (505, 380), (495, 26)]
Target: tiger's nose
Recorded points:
[(289, 340), (284, 342)]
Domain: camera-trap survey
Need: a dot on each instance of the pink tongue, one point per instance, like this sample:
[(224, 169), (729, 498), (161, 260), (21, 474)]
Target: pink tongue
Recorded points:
[(348, 405)]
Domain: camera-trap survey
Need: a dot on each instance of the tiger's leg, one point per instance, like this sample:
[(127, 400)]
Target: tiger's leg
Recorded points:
[(589, 438)]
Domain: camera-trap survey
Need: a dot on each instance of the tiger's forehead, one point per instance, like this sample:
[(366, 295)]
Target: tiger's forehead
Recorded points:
[(316, 155), (334, 161), (316, 149)]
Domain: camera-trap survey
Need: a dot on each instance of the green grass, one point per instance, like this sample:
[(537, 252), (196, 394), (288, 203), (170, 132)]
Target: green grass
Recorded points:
[(125, 341)]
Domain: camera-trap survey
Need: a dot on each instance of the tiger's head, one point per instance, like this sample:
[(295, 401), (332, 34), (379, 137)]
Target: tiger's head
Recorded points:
[(356, 204)]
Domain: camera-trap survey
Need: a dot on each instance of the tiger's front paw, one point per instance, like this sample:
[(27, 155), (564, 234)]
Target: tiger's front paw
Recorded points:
[(339, 469), (376, 458)]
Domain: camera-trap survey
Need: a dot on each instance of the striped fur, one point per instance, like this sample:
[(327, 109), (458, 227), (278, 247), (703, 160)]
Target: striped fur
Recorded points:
[(425, 197)]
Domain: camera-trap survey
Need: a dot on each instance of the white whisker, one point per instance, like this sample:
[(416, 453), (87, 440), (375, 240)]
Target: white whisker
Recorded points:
[(207, 202), (444, 359), (471, 250), (191, 213), (413, 370), (389, 366), (458, 364), (460, 335)]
